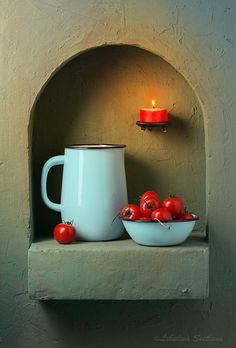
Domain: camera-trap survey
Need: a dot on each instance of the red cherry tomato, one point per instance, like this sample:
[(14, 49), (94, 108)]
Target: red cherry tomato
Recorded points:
[(175, 205), (162, 214), (144, 218), (131, 212), (186, 216), (148, 205), (64, 233), (149, 194)]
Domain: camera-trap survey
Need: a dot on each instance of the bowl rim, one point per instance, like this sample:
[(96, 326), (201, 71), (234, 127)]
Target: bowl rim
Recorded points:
[(195, 218)]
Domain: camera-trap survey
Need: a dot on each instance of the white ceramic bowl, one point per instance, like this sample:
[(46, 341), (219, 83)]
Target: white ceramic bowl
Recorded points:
[(153, 233)]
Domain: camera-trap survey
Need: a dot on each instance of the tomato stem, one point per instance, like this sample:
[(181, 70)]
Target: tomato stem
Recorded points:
[(68, 222)]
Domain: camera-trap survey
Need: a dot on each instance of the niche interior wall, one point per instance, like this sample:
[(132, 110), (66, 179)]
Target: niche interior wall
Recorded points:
[(95, 98)]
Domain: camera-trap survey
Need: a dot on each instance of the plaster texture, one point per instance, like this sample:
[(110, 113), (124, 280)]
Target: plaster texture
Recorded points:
[(198, 38), (118, 270)]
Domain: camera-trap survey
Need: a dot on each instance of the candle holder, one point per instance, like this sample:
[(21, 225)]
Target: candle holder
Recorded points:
[(153, 125), (153, 118)]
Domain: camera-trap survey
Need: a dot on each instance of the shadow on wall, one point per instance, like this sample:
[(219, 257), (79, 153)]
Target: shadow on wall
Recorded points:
[(95, 98), (149, 323)]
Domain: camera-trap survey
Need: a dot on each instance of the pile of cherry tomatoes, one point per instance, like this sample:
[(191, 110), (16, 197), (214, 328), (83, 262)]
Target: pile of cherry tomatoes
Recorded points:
[(151, 208)]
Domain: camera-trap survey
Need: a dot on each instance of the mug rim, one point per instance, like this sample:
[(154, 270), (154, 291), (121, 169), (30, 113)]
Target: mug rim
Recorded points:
[(94, 146)]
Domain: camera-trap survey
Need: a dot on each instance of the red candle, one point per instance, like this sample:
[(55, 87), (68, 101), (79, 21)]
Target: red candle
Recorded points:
[(153, 114)]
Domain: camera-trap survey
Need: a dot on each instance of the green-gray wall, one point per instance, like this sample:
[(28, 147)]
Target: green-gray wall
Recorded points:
[(198, 39)]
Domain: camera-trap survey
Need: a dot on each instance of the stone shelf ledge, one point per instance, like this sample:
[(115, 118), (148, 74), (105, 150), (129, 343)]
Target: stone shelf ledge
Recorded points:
[(118, 270)]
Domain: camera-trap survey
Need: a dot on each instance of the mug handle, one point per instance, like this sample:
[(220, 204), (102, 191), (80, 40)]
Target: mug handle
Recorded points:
[(54, 161)]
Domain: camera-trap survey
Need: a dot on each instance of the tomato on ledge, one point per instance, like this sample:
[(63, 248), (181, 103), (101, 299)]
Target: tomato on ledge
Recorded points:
[(64, 233)]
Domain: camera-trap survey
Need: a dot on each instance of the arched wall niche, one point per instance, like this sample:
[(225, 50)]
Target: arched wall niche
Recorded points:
[(95, 97)]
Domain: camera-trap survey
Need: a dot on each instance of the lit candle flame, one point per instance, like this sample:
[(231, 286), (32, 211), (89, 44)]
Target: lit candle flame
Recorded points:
[(153, 103)]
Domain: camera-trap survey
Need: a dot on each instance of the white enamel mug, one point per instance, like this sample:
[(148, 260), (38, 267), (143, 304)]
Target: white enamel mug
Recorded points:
[(93, 189)]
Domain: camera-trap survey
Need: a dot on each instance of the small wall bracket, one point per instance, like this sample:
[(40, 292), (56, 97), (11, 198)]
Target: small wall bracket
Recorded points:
[(150, 125)]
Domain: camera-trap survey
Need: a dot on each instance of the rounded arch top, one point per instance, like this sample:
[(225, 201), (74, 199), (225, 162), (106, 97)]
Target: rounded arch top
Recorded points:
[(68, 56)]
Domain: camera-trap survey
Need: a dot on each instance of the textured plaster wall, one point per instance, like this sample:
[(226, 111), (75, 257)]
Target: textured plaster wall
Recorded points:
[(96, 98), (198, 39)]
